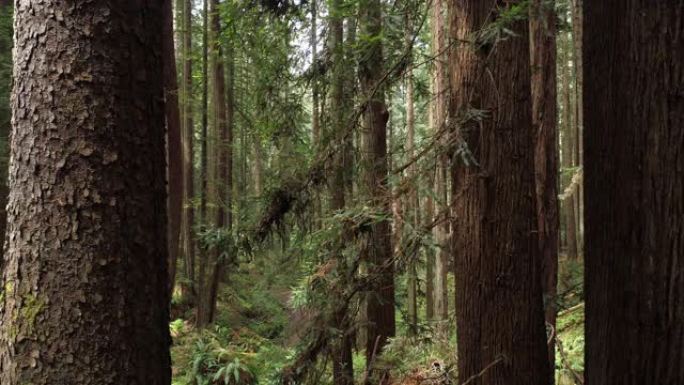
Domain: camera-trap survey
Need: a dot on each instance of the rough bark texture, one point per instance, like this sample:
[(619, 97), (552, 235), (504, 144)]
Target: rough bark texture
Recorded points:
[(188, 215), (500, 318), (6, 10), (173, 141), (378, 250), (634, 148), (544, 114), (441, 231), (85, 296)]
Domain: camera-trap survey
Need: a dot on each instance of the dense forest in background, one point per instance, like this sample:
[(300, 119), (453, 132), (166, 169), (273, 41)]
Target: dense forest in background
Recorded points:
[(392, 192)]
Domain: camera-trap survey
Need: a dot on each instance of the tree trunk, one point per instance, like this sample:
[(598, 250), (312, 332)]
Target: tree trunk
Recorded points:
[(544, 115), (173, 141), (378, 251), (258, 170), (343, 369), (204, 167), (568, 143), (188, 131), (429, 260), (634, 148), (85, 279), (441, 230), (315, 110), (579, 115), (412, 206), (221, 181), (500, 318)]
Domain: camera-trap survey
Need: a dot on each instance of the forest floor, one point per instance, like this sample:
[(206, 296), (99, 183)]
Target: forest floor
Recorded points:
[(258, 329)]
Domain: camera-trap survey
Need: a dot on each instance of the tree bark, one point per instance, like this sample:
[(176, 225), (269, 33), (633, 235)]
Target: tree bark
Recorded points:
[(173, 141), (221, 180), (500, 318), (568, 143), (315, 110), (634, 149), (258, 170), (343, 366), (188, 132), (412, 205), (579, 114), (441, 231), (378, 250), (6, 10), (544, 118), (85, 280), (430, 261), (204, 167)]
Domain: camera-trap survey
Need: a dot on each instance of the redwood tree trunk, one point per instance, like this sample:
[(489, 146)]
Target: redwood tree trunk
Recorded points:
[(544, 114), (85, 277), (173, 141), (634, 149), (188, 216), (568, 143), (441, 231), (204, 166), (412, 206), (222, 179), (378, 253), (500, 318), (343, 366)]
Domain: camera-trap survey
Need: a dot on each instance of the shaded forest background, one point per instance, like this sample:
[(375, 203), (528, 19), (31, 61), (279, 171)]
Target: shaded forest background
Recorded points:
[(357, 192), (283, 76)]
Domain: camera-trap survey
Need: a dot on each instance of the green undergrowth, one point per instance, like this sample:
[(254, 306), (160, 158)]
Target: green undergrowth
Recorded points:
[(570, 328), (259, 330), (247, 343), (570, 322)]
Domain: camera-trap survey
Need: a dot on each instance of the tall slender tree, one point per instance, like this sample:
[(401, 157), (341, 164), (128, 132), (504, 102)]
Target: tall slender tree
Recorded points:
[(577, 27), (441, 230), (221, 178), (315, 102), (634, 148), (412, 204), (568, 151), (85, 278), (343, 369), (378, 250), (202, 317), (188, 133), (500, 318), (174, 173), (544, 118)]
